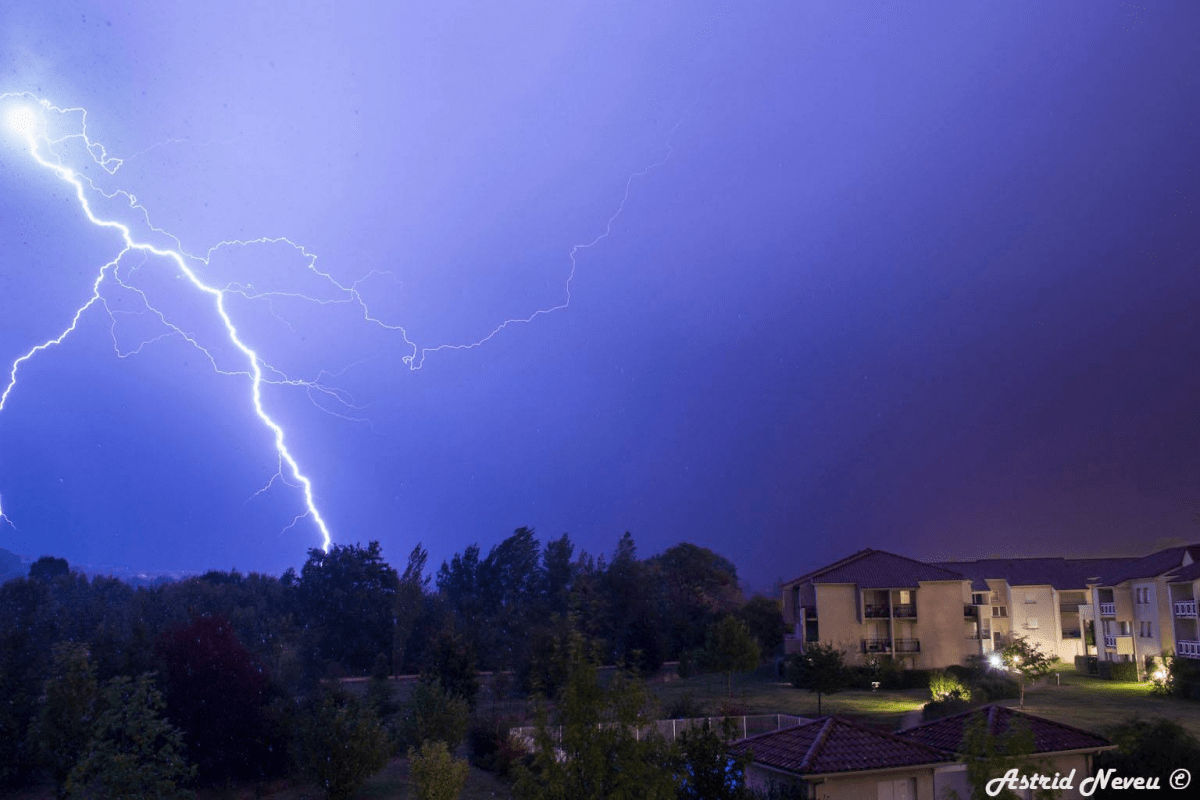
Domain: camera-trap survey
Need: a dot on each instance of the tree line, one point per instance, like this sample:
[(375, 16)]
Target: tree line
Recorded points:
[(234, 665)]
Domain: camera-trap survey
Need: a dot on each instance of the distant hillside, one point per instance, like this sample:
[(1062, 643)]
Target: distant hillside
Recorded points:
[(11, 566)]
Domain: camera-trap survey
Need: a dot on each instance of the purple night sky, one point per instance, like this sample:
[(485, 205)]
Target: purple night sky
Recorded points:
[(921, 279)]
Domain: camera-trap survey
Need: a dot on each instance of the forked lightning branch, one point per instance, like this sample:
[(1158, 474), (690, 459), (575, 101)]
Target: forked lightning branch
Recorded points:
[(52, 136)]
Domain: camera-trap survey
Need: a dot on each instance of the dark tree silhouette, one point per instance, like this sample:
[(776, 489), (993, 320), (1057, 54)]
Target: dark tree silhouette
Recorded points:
[(217, 694)]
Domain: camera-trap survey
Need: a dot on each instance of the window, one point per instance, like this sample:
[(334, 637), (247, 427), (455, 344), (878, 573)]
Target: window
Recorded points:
[(1146, 630), (979, 599), (999, 611), (902, 789)]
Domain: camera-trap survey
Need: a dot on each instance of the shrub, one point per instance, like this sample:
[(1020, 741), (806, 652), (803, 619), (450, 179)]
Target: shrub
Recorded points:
[(994, 686), (683, 706), (944, 708), (433, 714), (944, 686), (436, 775), (340, 744), (1118, 671)]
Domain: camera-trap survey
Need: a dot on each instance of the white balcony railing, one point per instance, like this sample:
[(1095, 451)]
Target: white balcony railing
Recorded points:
[(1108, 609), (1110, 641), (1187, 649), (1185, 608)]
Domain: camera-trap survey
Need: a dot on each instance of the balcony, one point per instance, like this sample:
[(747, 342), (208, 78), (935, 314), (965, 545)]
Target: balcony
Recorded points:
[(970, 612), (876, 645), (1108, 609), (908, 646), (1110, 641), (1187, 649), (876, 612), (904, 611), (1185, 608)]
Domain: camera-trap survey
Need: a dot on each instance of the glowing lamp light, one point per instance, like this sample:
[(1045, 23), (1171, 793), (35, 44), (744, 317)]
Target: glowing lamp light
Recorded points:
[(995, 661)]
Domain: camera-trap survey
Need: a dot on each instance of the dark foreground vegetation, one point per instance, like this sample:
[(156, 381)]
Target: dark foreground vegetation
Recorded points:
[(231, 680)]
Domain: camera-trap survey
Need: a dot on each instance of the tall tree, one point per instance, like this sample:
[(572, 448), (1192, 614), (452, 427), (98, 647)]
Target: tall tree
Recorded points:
[(730, 647), (698, 588), (764, 618), (217, 695), (68, 712), (598, 753), (347, 596), (134, 751)]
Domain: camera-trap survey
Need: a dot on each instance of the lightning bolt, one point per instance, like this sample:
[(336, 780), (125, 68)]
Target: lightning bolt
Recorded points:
[(30, 119), (28, 123)]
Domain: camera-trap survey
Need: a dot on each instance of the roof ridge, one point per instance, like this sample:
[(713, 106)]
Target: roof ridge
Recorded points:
[(813, 748), (839, 563)]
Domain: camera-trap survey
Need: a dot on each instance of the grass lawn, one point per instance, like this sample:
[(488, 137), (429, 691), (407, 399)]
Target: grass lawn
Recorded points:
[(760, 692), (1084, 702), (1096, 705)]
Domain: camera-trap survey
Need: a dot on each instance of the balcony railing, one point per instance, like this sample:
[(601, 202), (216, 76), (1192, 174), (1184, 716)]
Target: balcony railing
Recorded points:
[(1185, 608), (875, 612), (876, 645), (908, 646), (1110, 641), (1108, 609), (1187, 649), (1072, 634), (904, 610)]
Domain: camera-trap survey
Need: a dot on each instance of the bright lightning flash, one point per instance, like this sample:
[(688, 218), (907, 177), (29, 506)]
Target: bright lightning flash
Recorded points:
[(31, 118), (23, 120)]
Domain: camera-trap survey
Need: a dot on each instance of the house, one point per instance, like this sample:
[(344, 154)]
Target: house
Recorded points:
[(837, 759), (875, 603), (1059, 749)]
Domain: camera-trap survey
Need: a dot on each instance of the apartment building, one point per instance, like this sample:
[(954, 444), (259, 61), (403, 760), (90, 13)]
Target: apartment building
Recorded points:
[(875, 603), (1037, 598), (1141, 609)]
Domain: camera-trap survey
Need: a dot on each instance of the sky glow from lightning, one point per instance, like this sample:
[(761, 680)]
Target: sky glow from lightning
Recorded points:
[(36, 122)]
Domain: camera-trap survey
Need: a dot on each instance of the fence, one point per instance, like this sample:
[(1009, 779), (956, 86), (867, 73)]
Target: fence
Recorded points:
[(669, 729)]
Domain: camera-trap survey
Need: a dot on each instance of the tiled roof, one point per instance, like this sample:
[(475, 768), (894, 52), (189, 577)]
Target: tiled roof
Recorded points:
[(1153, 565), (876, 569), (833, 744), (1048, 736), (1061, 573)]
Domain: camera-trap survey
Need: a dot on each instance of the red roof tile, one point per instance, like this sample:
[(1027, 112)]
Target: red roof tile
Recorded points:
[(832, 744), (1048, 736)]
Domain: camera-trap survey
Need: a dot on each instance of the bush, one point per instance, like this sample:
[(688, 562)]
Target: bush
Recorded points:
[(944, 708), (1086, 665), (433, 714), (1118, 671), (436, 775), (943, 686), (340, 744), (683, 706), (963, 674), (993, 686)]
